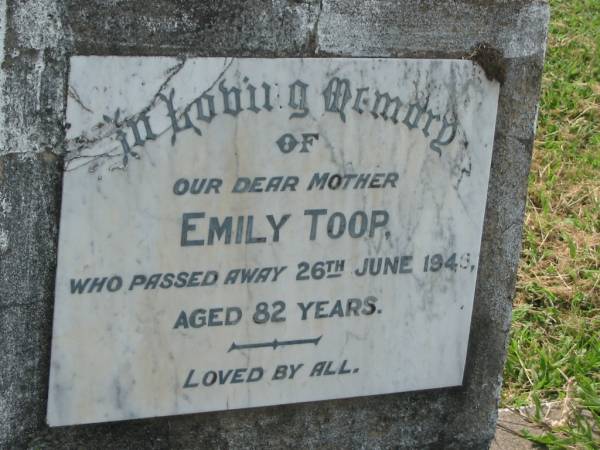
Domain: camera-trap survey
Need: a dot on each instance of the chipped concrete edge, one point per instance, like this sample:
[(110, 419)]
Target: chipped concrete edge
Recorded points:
[(5, 206), (2, 76)]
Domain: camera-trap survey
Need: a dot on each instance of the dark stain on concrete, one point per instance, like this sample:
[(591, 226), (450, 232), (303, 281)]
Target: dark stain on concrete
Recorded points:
[(491, 61)]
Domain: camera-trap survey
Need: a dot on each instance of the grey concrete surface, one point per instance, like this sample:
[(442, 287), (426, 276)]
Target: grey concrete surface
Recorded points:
[(509, 432), (38, 38), (553, 416)]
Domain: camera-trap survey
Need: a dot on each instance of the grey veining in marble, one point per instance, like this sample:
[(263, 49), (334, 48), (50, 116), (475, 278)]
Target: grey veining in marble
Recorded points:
[(248, 232)]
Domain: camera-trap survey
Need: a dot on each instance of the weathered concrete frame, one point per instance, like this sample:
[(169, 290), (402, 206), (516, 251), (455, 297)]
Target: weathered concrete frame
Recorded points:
[(40, 35)]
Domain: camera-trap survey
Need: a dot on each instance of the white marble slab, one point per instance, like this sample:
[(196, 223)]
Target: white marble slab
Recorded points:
[(164, 324)]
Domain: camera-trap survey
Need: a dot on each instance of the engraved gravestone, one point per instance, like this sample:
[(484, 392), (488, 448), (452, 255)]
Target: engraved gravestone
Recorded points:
[(271, 223), (242, 232)]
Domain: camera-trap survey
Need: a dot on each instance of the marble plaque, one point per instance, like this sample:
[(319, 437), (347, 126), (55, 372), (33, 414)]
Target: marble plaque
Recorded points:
[(247, 232)]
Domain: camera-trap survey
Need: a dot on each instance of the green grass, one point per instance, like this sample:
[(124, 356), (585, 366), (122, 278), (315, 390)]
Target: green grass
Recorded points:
[(555, 334)]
